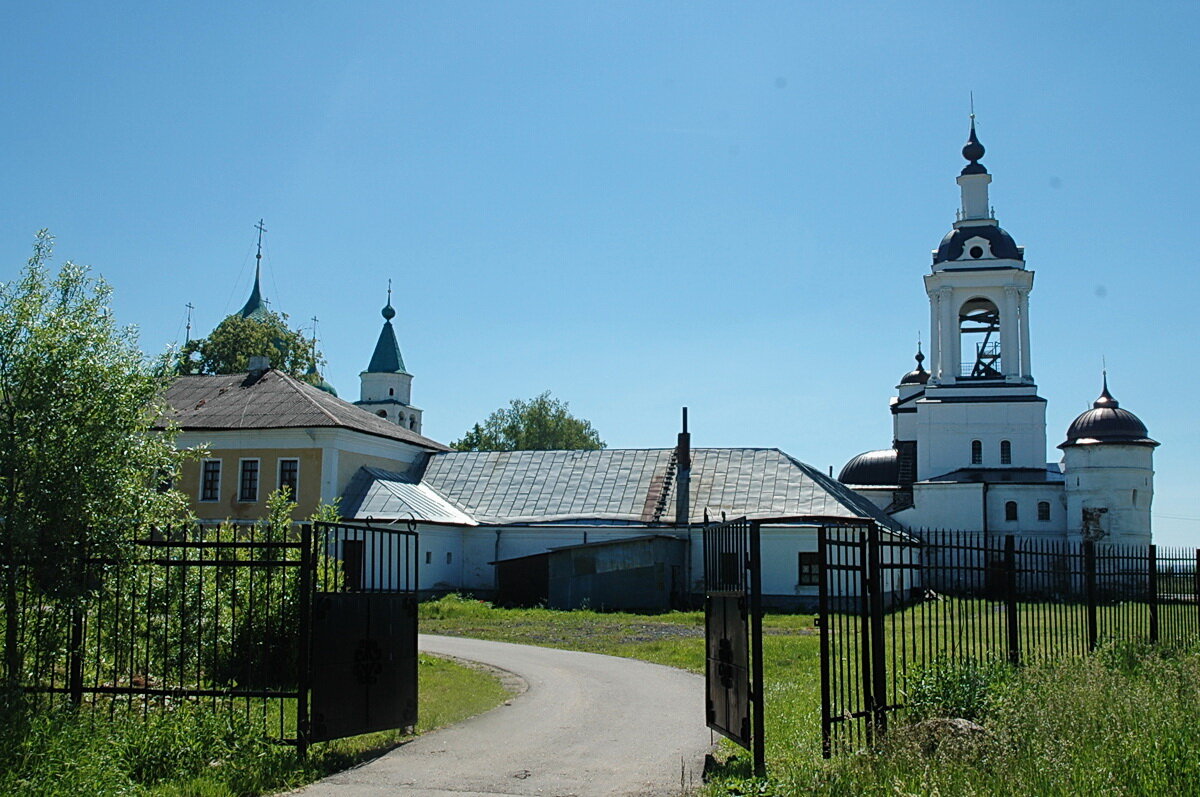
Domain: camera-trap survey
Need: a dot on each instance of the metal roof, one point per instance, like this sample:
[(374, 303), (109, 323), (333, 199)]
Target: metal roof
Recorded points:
[(272, 401), (385, 495), (628, 486)]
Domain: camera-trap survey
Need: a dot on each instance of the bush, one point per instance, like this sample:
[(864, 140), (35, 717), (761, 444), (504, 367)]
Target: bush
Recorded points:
[(962, 688), (455, 605)]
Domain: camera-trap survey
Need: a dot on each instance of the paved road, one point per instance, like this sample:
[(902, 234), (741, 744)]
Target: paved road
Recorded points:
[(587, 725)]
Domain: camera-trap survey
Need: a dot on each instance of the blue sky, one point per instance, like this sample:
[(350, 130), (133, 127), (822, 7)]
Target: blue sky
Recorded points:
[(637, 206)]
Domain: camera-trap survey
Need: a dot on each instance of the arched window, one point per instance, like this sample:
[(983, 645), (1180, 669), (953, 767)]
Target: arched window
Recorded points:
[(1135, 497), (391, 391), (412, 423), (1005, 452), (1043, 510), (1010, 510), (976, 452), (382, 413)]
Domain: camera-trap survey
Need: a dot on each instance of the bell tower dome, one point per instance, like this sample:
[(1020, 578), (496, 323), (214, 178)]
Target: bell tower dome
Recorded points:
[(385, 388)]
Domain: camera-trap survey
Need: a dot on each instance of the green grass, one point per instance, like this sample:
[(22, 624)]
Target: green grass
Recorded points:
[(198, 752)]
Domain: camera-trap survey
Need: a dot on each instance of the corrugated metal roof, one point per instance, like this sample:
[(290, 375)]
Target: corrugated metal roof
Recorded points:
[(384, 495), (273, 401), (634, 486)]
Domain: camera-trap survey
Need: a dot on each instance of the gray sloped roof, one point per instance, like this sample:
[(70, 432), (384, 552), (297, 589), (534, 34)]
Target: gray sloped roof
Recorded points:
[(273, 401), (375, 493), (631, 486)]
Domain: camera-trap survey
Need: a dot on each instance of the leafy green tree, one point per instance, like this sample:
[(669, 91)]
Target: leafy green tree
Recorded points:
[(229, 347), (81, 467), (543, 423)]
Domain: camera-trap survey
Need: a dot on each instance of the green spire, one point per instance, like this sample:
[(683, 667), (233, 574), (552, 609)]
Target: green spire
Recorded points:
[(387, 359), (255, 307)]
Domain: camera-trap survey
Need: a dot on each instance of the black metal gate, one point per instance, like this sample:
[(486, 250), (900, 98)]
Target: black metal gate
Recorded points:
[(733, 634), (863, 574), (363, 640)]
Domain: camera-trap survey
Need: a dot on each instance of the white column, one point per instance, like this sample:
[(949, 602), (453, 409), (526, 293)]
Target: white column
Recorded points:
[(935, 339), (1010, 364), (1026, 368), (951, 360)]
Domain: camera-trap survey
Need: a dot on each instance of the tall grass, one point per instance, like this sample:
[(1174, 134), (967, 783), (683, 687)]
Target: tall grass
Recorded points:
[(1120, 722)]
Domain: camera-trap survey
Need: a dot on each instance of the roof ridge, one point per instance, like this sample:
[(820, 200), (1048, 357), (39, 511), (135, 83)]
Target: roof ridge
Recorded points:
[(294, 384)]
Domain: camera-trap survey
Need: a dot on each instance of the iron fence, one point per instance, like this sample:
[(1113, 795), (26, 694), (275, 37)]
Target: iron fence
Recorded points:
[(258, 620), (893, 606)]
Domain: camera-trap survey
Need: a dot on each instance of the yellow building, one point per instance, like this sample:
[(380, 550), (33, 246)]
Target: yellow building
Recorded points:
[(264, 429)]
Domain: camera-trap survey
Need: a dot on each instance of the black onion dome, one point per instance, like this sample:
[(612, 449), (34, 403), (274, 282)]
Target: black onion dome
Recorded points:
[(917, 376), (872, 467), (973, 151), (1106, 422), (1002, 244)]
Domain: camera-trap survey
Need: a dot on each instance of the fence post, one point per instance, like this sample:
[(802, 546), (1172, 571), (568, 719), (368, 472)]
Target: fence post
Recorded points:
[(304, 659), (878, 654), (1152, 574), (823, 616), (1010, 599), (1089, 589)]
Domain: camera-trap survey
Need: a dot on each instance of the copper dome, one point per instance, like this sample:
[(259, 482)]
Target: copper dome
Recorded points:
[(1106, 422)]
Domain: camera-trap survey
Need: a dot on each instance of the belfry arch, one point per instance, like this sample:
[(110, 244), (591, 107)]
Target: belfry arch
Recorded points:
[(979, 336)]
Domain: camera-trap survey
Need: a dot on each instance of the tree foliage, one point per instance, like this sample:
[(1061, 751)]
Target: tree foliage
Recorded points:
[(229, 347), (543, 423), (81, 464)]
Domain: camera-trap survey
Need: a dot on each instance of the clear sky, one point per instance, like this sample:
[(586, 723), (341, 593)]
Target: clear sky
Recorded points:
[(634, 205)]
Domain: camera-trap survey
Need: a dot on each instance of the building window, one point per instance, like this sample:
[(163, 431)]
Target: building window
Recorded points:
[(382, 413), (210, 480), (412, 422), (248, 481), (1043, 510), (976, 452), (289, 475), (1135, 498), (449, 556), (1005, 452), (391, 391), (1010, 510), (429, 557), (810, 569)]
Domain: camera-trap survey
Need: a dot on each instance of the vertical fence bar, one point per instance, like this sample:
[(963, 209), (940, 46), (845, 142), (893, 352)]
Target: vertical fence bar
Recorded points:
[(1152, 597), (759, 704), (1089, 589), (1010, 600), (75, 654), (823, 618), (864, 634)]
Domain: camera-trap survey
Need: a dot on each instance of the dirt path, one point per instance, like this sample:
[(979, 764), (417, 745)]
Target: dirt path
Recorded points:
[(587, 725)]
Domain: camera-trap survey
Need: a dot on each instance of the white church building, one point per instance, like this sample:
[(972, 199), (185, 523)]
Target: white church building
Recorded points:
[(969, 434)]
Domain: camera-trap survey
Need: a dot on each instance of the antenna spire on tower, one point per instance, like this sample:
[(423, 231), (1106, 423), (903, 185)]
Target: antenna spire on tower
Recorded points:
[(188, 334)]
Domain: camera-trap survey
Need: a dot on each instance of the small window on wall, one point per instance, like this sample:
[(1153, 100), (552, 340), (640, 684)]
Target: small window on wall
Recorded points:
[(449, 556), (382, 413), (1043, 510), (976, 452), (1005, 452), (429, 557), (1010, 510), (289, 475), (210, 480), (248, 481), (810, 569), (1135, 498)]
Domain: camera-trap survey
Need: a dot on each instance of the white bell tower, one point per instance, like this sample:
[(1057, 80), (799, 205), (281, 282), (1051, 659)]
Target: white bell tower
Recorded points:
[(385, 388), (980, 408)]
